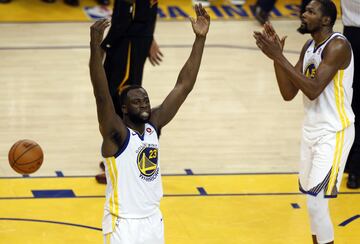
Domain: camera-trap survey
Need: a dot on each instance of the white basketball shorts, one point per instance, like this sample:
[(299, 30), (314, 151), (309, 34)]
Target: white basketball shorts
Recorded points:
[(149, 230), (323, 161)]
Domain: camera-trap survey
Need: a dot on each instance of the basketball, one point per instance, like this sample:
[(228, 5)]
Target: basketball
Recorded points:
[(25, 156)]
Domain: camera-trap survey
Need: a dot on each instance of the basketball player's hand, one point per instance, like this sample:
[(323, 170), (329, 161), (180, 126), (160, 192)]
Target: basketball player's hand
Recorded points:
[(97, 31), (155, 55), (269, 46), (202, 22), (271, 33)]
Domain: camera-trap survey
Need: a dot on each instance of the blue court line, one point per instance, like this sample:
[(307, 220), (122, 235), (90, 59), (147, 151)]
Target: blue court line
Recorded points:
[(227, 46), (349, 220), (202, 191), (53, 193), (295, 205), (52, 222), (163, 175), (191, 195), (59, 174)]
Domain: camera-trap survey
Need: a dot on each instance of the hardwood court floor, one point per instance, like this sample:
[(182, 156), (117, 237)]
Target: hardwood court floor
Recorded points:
[(233, 122)]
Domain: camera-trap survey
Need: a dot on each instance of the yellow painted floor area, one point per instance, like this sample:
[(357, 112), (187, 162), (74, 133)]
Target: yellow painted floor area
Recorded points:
[(243, 208), (38, 11)]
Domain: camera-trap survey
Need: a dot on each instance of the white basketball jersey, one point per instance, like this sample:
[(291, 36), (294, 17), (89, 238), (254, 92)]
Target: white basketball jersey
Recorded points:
[(134, 186), (331, 111)]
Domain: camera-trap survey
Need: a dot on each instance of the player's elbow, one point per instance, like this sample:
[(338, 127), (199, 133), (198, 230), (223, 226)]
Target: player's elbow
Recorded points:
[(313, 95), (288, 96)]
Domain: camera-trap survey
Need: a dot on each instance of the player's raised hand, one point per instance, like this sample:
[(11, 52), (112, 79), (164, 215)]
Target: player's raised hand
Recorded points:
[(97, 31), (270, 31), (202, 22)]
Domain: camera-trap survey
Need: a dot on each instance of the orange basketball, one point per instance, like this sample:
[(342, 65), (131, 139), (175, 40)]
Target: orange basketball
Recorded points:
[(25, 156)]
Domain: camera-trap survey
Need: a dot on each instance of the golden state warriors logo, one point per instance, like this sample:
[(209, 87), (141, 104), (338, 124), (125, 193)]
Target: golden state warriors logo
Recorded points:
[(147, 162), (310, 71)]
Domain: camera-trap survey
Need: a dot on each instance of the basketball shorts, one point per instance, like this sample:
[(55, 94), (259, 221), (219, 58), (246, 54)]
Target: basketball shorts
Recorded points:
[(323, 161), (148, 230)]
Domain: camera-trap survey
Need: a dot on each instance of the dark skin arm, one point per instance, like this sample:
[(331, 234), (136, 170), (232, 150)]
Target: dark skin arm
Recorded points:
[(163, 114), (111, 126), (336, 56), (287, 89)]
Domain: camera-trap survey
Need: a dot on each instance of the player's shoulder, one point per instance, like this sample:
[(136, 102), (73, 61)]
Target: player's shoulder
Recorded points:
[(338, 43), (340, 40)]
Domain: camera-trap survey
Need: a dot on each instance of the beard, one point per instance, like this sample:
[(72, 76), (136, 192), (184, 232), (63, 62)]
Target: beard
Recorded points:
[(303, 29), (139, 118)]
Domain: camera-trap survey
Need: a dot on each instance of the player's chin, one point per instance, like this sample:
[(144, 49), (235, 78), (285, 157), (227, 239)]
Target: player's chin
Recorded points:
[(145, 116), (303, 29)]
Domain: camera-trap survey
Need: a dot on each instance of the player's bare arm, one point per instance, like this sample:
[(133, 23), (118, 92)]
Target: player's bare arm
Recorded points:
[(333, 60), (111, 126), (287, 90), (166, 111)]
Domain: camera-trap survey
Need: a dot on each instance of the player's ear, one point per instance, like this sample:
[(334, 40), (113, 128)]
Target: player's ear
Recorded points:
[(124, 109), (326, 20)]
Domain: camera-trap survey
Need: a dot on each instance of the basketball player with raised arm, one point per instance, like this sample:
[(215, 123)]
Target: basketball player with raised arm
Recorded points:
[(324, 74), (130, 145)]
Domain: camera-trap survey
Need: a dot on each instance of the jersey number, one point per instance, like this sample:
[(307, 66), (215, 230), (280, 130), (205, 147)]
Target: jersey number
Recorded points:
[(153, 154)]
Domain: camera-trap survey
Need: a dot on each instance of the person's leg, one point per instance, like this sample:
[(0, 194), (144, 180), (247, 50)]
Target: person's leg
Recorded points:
[(320, 221), (139, 52), (73, 3), (353, 162), (266, 5), (103, 2), (263, 9), (204, 3), (324, 179), (306, 159)]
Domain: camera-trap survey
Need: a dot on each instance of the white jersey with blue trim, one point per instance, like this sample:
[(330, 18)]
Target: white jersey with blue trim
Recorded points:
[(134, 187), (331, 111)]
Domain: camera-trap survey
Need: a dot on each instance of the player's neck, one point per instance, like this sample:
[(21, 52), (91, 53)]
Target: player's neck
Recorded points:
[(138, 127), (322, 35)]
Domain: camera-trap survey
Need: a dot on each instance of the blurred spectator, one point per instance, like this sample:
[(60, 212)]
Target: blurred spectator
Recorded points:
[(351, 21), (68, 2), (206, 3), (264, 7)]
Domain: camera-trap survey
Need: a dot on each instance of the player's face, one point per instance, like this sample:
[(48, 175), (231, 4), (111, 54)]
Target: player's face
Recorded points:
[(138, 106), (311, 18)]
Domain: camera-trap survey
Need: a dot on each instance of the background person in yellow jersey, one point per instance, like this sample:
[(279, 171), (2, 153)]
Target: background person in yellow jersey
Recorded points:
[(324, 74), (130, 144), (128, 43)]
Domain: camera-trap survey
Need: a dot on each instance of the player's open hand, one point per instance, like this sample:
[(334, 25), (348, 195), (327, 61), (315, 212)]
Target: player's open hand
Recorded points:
[(155, 55), (267, 45), (271, 33), (202, 22), (97, 31)]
